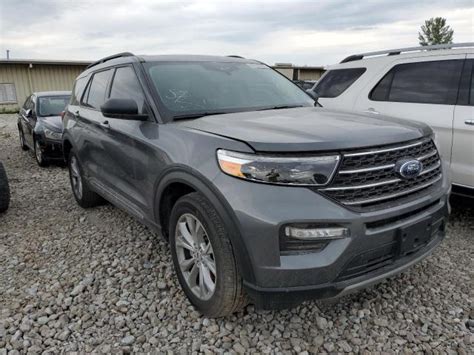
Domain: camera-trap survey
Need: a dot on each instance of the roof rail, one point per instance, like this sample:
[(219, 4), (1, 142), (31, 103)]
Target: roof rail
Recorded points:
[(235, 56), (110, 57), (398, 51)]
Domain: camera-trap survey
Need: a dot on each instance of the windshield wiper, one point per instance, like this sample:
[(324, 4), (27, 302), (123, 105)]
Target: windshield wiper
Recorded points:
[(279, 107), (189, 116)]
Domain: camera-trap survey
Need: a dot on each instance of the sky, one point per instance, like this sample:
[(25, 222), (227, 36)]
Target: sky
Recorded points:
[(315, 32)]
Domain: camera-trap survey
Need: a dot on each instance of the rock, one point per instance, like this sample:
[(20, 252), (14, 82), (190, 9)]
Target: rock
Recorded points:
[(238, 348), (322, 323), (128, 340)]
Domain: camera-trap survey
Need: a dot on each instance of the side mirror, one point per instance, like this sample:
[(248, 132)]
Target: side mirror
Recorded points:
[(125, 109), (29, 113)]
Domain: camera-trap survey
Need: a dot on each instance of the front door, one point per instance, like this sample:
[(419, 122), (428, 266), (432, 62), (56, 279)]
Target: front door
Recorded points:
[(128, 157)]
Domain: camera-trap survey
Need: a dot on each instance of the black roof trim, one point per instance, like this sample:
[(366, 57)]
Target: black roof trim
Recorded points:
[(110, 57)]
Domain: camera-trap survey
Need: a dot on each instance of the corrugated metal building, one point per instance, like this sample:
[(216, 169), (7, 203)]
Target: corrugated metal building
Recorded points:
[(295, 72), (20, 78)]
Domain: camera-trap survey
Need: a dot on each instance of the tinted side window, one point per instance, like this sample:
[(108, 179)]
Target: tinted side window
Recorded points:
[(125, 85), (335, 82), (426, 82), (97, 88), (471, 96), (78, 90)]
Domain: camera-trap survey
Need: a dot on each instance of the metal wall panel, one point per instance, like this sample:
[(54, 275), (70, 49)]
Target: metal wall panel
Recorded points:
[(38, 77)]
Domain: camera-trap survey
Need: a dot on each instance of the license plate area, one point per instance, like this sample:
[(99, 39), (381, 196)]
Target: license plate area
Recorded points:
[(413, 237)]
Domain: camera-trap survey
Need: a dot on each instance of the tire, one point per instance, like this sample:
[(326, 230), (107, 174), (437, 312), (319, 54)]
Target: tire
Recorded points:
[(4, 190), (22, 139), (227, 296), (85, 197), (39, 156)]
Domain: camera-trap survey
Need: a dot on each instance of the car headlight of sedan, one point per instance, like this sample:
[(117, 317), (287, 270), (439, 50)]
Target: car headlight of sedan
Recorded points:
[(50, 134), (286, 170)]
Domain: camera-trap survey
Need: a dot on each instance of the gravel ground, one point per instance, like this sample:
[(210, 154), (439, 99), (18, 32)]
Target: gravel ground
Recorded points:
[(97, 280)]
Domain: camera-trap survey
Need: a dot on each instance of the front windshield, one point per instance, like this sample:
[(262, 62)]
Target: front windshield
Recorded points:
[(187, 88), (52, 105)]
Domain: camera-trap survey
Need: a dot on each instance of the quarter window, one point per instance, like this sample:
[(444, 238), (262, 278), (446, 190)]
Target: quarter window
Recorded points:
[(125, 85), (434, 82), (97, 89), (335, 82)]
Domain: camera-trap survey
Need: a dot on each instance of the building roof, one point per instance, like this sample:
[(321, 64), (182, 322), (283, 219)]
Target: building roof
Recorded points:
[(44, 61), (292, 66)]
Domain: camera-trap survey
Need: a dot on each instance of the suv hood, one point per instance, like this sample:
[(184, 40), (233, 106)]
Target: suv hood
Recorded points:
[(309, 129)]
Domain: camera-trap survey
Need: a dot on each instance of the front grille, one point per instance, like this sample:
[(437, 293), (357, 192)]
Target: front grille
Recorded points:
[(367, 178)]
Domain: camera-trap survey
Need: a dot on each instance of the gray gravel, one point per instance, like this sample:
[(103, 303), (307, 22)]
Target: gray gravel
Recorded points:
[(97, 280)]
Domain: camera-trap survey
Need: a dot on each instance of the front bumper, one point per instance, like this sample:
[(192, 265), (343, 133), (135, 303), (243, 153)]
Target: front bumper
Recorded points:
[(371, 253), (52, 149)]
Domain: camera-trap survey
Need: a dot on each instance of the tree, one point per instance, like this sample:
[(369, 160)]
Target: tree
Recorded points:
[(435, 31)]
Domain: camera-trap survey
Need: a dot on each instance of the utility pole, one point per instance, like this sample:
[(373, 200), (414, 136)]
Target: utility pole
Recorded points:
[(8, 54)]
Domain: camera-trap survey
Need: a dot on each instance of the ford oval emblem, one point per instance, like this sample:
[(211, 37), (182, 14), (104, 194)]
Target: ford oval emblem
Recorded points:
[(409, 168)]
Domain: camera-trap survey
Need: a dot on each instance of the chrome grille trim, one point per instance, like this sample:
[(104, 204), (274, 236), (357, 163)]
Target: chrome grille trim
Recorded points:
[(374, 168), (375, 184), (401, 193), (434, 167), (429, 155), (368, 179), (386, 149)]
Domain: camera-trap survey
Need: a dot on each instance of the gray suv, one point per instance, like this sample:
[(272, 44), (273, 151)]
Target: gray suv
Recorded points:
[(263, 196)]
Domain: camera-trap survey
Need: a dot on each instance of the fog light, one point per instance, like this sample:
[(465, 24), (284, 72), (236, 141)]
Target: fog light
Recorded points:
[(316, 233)]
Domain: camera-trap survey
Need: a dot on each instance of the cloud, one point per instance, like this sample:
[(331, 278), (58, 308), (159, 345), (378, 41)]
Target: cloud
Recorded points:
[(302, 32)]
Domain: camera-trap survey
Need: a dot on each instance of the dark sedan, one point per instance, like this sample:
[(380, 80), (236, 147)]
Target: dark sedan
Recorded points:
[(40, 125)]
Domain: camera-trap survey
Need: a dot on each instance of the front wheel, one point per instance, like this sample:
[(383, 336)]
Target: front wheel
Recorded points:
[(203, 257), (39, 156)]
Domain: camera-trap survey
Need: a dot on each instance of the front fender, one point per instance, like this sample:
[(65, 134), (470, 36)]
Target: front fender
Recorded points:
[(192, 178)]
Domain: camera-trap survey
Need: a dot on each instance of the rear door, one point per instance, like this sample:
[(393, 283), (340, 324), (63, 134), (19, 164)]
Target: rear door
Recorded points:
[(462, 161), (423, 90)]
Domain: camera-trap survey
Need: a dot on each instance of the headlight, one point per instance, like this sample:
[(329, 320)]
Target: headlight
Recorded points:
[(311, 170), (52, 134)]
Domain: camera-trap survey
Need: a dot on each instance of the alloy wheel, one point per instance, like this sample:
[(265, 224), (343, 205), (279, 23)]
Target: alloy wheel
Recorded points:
[(76, 180), (195, 256), (38, 153)]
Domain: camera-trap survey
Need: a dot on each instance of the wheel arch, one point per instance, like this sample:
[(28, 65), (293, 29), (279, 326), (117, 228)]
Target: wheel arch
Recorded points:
[(192, 181)]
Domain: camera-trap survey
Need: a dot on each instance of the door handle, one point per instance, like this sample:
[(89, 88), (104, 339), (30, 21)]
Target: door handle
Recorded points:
[(105, 124), (469, 122), (372, 110)]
